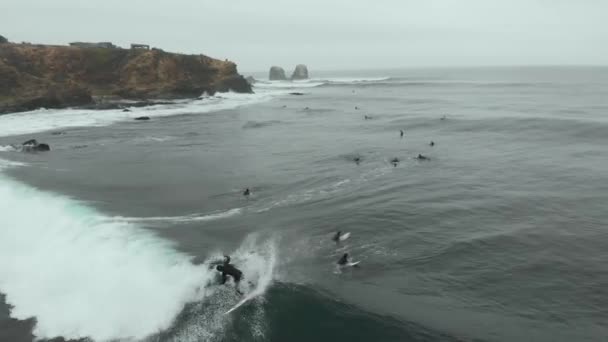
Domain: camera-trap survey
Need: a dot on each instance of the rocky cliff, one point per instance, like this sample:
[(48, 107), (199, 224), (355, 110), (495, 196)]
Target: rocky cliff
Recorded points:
[(34, 76)]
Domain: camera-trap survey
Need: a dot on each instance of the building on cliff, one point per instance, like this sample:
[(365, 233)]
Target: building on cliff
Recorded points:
[(140, 46), (104, 45)]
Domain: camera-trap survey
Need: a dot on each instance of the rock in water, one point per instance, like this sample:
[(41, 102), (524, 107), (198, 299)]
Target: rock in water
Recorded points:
[(300, 73), (276, 74), (33, 146), (142, 118), (235, 83)]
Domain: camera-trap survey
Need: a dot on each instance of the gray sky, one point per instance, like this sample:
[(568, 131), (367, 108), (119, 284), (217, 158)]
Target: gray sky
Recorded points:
[(330, 34)]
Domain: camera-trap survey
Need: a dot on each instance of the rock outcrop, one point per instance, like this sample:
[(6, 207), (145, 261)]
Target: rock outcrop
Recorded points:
[(3, 40), (300, 72), (276, 74), (40, 76), (34, 146)]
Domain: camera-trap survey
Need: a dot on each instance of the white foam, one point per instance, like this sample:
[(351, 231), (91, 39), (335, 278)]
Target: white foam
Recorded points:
[(80, 276), (50, 119), (258, 261), (355, 80), (287, 84), (182, 219), (7, 148)]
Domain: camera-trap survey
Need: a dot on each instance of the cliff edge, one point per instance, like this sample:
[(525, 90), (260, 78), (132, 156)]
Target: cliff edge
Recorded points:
[(42, 76)]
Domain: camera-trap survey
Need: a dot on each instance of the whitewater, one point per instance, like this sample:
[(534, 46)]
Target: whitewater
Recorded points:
[(81, 273)]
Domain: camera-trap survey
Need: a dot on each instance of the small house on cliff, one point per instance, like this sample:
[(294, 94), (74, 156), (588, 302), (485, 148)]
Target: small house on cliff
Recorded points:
[(103, 45), (140, 46)]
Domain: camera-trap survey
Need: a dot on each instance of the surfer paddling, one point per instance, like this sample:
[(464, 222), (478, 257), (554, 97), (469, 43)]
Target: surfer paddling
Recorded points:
[(345, 260), (336, 237)]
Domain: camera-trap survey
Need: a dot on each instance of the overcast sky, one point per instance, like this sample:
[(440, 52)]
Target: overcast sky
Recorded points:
[(330, 34)]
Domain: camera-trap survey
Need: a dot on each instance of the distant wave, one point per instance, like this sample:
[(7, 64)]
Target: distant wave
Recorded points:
[(317, 82), (50, 119), (287, 84), (412, 82)]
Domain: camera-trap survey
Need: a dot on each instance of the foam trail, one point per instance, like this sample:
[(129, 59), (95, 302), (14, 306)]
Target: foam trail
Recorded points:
[(182, 219), (81, 276)]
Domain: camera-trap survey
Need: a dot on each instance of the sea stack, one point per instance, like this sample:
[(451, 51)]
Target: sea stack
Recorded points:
[(277, 74), (300, 73)]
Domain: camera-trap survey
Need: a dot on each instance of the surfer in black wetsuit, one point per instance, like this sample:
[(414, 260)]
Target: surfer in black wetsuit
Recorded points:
[(228, 269), (402, 133), (336, 237), (344, 260), (421, 157), (247, 192)]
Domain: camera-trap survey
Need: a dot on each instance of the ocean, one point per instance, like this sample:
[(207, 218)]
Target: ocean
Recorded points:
[(502, 235)]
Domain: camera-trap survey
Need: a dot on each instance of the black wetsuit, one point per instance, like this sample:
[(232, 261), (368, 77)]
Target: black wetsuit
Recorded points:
[(343, 260), (229, 270), (336, 237)]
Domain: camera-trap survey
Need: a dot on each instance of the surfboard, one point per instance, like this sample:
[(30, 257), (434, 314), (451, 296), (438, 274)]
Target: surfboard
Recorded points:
[(243, 301), (344, 236), (257, 290), (352, 264)]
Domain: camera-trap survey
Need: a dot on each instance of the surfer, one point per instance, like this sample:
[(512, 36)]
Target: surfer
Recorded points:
[(346, 261), (336, 237), (402, 133), (357, 160), (247, 192), (432, 143), (228, 269), (421, 157)]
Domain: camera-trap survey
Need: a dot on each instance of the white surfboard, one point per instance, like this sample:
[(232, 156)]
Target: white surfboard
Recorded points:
[(254, 293), (352, 264), (243, 301), (344, 236)]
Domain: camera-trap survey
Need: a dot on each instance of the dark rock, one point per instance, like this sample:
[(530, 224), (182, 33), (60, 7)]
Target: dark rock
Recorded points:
[(3, 40), (296, 93), (34, 146), (250, 80), (236, 83), (276, 74), (300, 73), (142, 118), (120, 104), (43, 147)]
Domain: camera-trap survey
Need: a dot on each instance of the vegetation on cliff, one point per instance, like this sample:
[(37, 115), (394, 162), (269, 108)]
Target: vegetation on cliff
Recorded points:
[(34, 76)]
